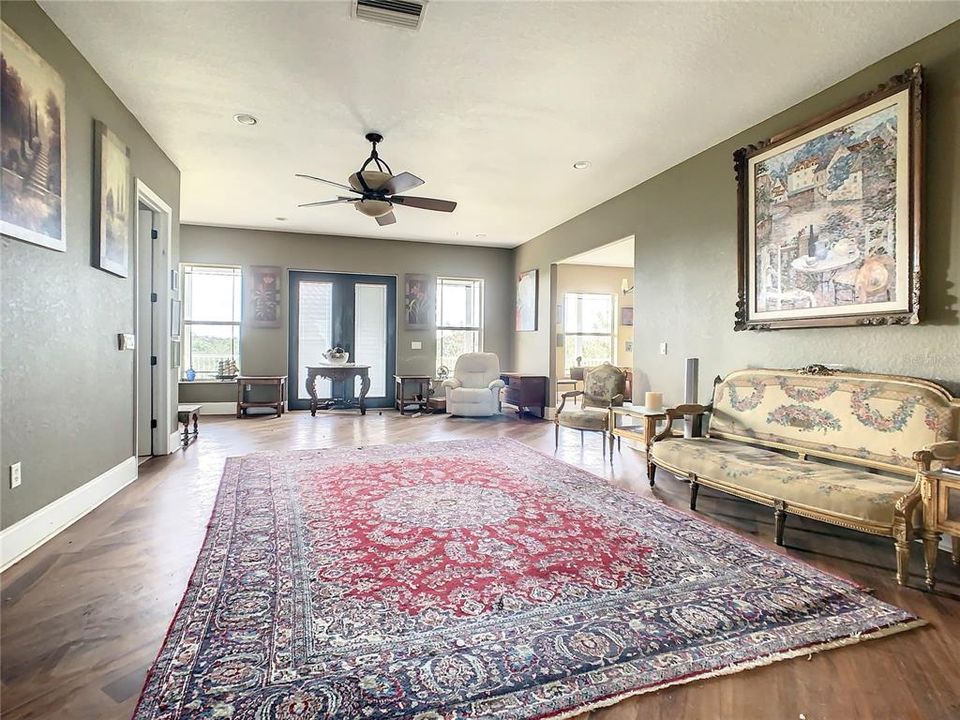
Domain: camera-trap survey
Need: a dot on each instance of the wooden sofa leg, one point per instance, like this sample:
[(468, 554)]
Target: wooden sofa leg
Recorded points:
[(903, 532), (694, 489), (556, 436), (779, 521), (903, 560), (651, 472), (931, 547)]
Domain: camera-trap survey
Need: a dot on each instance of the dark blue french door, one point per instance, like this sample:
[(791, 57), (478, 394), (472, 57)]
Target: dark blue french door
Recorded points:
[(355, 312)]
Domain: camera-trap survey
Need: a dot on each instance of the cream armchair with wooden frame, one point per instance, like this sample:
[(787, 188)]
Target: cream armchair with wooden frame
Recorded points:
[(603, 388)]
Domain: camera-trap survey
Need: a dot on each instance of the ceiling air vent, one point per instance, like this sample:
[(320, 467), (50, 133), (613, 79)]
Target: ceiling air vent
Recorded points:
[(400, 13)]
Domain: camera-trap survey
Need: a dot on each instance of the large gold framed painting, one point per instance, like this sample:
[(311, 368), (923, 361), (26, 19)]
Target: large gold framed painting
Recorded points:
[(32, 146), (829, 216)]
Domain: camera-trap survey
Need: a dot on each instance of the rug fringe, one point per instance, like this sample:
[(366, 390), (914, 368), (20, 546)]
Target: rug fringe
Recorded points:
[(740, 667)]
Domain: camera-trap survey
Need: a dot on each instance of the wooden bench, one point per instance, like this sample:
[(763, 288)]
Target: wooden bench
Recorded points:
[(187, 414)]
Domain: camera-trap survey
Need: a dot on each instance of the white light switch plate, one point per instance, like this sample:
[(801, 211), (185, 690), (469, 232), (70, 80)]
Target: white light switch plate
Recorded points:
[(416, 345), (663, 348), (15, 477)]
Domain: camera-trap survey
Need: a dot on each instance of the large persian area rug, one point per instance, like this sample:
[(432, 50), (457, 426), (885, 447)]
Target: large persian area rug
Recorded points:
[(471, 579)]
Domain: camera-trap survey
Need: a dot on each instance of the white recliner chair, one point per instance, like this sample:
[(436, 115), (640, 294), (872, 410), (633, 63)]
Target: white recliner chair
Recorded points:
[(474, 389)]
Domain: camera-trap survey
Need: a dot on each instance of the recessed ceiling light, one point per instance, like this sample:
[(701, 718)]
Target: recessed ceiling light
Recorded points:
[(245, 119), (481, 235), (581, 165), (281, 219)]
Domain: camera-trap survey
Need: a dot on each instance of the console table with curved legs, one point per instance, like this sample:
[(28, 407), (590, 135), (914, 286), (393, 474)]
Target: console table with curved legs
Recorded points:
[(338, 373)]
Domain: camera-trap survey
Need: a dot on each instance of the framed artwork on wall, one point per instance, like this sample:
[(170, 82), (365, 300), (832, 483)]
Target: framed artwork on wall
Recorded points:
[(626, 316), (176, 318), (263, 298), (416, 301), (32, 146), (528, 288), (114, 202), (829, 216)]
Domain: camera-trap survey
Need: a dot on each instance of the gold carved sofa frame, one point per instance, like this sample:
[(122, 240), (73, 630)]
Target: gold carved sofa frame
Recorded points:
[(843, 448)]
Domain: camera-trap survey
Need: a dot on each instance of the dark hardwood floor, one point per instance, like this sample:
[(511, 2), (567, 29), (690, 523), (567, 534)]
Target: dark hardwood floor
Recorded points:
[(84, 615)]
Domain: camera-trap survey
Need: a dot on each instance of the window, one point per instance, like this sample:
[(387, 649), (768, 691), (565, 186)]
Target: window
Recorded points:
[(459, 319), (211, 318), (588, 327)]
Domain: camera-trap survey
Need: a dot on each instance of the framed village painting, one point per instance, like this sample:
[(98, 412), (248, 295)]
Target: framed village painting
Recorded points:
[(32, 146), (829, 216), (263, 298), (527, 296), (113, 183)]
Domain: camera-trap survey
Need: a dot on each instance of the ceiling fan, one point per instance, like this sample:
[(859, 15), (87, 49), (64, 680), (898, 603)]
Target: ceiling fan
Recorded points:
[(378, 190)]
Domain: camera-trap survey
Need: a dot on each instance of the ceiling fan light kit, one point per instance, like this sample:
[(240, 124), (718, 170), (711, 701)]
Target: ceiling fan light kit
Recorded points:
[(379, 189)]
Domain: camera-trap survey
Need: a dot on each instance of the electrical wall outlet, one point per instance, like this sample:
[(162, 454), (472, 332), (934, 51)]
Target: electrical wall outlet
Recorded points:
[(15, 476), (663, 348), (416, 345)]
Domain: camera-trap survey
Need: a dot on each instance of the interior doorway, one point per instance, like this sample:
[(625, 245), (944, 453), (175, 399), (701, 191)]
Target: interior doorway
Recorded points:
[(148, 236), (154, 287), (355, 312), (593, 314)]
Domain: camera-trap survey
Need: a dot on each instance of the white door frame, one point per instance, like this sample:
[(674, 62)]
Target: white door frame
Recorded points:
[(163, 403)]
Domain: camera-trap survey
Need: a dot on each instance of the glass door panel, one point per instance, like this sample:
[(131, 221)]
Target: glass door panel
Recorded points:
[(314, 331), (370, 334), (355, 312)]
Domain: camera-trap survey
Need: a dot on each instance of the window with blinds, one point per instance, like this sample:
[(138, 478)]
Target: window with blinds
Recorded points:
[(211, 318), (459, 319)]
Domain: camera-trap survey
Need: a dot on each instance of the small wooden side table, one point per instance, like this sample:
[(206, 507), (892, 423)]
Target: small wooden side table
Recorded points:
[(187, 414), (940, 491), (277, 382), (632, 432), (420, 395)]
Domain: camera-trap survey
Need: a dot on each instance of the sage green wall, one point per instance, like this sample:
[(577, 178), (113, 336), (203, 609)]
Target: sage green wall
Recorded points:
[(685, 225), (67, 398), (263, 351)]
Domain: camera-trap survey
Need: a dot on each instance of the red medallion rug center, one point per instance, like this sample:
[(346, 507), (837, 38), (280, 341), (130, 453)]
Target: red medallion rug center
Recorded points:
[(465, 537), (471, 579)]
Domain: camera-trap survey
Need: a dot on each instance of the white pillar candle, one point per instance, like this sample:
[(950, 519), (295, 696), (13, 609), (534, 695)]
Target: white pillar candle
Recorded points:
[(653, 401)]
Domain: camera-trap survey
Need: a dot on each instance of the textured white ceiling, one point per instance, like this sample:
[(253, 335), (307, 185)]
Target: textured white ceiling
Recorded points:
[(489, 102), (615, 254)]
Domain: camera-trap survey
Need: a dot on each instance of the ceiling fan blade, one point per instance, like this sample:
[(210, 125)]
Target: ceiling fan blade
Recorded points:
[(401, 183), (424, 203), (328, 182), (388, 219), (330, 202)]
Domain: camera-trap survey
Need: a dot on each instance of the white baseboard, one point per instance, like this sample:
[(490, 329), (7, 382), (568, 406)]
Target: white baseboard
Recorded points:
[(25, 536), (175, 440)]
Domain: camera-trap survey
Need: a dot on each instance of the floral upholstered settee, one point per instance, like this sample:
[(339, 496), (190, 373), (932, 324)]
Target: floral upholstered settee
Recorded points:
[(833, 446)]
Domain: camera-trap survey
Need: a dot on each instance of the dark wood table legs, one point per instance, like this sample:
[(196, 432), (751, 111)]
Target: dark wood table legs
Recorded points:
[(338, 373)]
